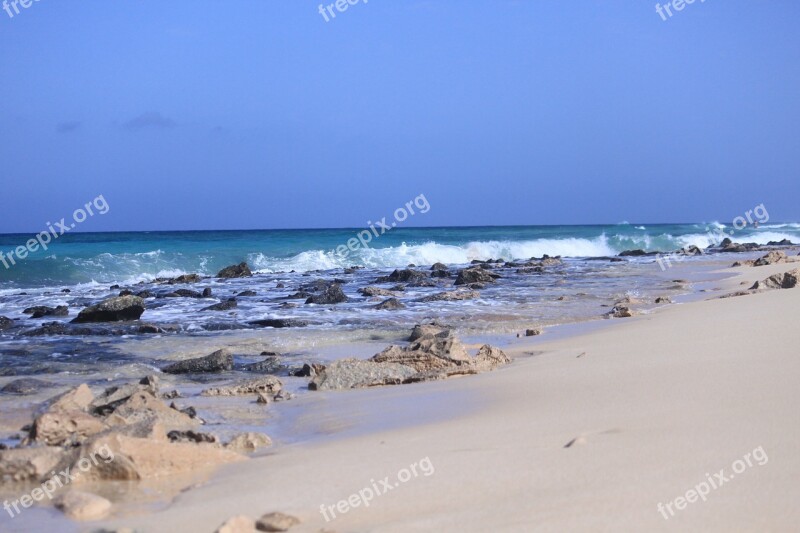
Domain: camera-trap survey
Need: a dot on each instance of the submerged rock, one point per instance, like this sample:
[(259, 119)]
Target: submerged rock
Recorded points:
[(112, 310), (218, 361), (79, 505), (242, 270), (450, 296), (5, 323), (279, 323), (392, 304), (25, 386), (222, 306)]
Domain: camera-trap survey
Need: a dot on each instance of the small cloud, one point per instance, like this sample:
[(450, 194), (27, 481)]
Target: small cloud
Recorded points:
[(67, 127), (152, 119)]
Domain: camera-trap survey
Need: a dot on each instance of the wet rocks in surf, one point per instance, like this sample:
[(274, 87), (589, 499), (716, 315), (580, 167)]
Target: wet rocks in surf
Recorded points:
[(112, 310), (218, 361), (332, 294), (475, 274), (242, 270)]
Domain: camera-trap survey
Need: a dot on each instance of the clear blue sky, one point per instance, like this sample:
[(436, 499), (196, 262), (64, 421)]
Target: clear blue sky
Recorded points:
[(200, 114)]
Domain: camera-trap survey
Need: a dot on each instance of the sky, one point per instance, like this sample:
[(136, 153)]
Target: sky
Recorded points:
[(248, 114)]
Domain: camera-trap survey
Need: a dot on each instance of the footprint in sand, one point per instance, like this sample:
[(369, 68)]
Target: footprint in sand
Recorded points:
[(583, 439)]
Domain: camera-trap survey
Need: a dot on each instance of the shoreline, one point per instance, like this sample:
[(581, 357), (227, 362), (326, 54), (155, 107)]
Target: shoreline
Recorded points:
[(609, 405)]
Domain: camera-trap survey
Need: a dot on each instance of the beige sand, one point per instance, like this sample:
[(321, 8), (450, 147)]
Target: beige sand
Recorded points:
[(656, 403)]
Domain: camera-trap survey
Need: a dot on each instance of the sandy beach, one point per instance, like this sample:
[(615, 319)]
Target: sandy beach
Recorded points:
[(651, 406)]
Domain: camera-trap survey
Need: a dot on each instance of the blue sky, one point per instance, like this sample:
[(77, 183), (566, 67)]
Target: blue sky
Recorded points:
[(259, 114)]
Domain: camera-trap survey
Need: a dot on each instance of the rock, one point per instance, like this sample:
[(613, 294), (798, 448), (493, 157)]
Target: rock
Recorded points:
[(28, 465), (276, 522), (282, 396), (79, 505), (190, 436), (222, 306), (263, 398), (784, 242), (248, 442), (143, 406), (489, 358), (112, 310), (619, 311), (787, 280), (77, 399), (60, 428), (375, 291), (663, 300), (475, 275), (266, 384), (450, 296), (271, 364), (247, 293), (5, 323), (690, 250), (636, 253), (150, 328), (357, 373), (279, 323), (238, 524), (25, 386), (145, 294), (533, 332), (426, 354), (184, 293), (42, 310), (235, 271), (183, 278), (309, 370), (333, 294), (392, 304), (439, 266), (771, 258), (218, 361), (434, 328), (406, 276)]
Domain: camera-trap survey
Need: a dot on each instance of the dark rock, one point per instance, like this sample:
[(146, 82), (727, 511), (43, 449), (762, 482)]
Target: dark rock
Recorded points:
[(439, 266), (216, 362), (771, 258), (533, 332), (112, 310), (784, 242), (309, 370), (126, 292), (475, 275), (663, 300), (184, 278), (25, 386), (184, 293), (279, 323), (66, 290), (270, 365), (61, 310), (222, 306), (637, 253), (280, 285), (440, 274), (150, 328), (619, 311), (190, 436), (331, 295), (5, 323), (247, 293), (406, 276), (235, 271), (145, 294), (390, 305)]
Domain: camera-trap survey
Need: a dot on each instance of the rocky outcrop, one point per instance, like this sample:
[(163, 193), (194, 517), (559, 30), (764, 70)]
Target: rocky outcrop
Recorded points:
[(112, 310), (475, 275), (266, 384), (332, 294), (786, 280), (357, 373), (218, 361), (242, 270), (771, 258)]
